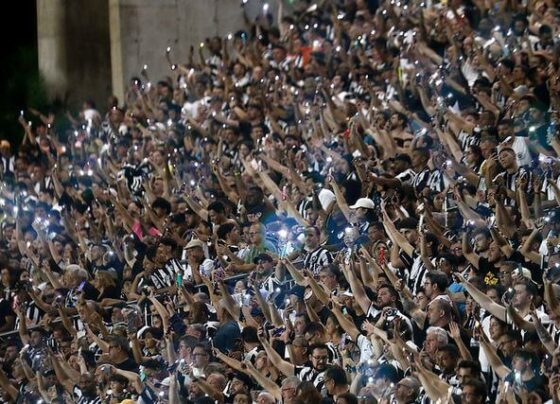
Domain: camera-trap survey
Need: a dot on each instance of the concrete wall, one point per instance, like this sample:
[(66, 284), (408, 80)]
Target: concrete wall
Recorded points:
[(92, 48), (74, 52), (141, 30)]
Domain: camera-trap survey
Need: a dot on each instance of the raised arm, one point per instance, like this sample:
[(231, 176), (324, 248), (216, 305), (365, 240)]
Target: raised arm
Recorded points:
[(484, 301), (274, 357)]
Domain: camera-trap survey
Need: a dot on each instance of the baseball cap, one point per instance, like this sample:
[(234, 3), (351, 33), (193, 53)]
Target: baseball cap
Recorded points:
[(262, 257), (194, 243), (365, 203), (408, 223)]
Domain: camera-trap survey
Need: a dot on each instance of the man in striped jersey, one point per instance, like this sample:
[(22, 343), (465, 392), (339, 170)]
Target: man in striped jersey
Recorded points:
[(316, 334), (313, 372), (315, 256)]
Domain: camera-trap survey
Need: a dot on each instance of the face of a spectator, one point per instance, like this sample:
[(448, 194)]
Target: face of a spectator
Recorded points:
[(481, 243), (494, 253), (507, 344), (446, 361), (411, 235), (496, 328), (237, 386), (464, 374), (216, 217), (200, 357), (162, 252), (87, 384), (241, 399), (319, 358), (385, 298), (196, 254), (328, 279), (311, 238), (288, 393), (429, 289), (435, 313), (5, 276), (431, 344), (505, 275), (522, 298), (470, 396), (255, 235), (506, 159), (11, 353), (504, 130)]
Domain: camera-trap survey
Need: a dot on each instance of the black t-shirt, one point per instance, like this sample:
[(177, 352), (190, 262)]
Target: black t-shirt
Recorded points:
[(536, 270), (129, 364), (536, 383), (487, 271), (5, 311)]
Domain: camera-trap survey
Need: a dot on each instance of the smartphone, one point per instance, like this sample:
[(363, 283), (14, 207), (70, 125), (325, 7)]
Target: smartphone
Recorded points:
[(278, 331), (132, 321), (81, 286)]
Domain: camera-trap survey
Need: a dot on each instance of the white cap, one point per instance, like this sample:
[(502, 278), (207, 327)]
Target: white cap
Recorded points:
[(363, 203), (326, 197), (194, 243)]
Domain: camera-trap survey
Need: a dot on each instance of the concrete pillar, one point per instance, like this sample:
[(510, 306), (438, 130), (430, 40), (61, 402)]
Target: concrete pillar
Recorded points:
[(51, 15), (117, 75), (141, 30), (91, 49), (73, 46)]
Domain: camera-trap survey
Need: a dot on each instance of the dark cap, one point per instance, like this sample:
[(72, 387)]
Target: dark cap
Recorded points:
[(403, 157), (262, 257), (408, 223)]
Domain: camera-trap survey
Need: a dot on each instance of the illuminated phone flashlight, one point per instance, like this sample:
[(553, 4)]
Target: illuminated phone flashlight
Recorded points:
[(21, 112), (283, 234), (145, 67), (168, 50), (230, 36)]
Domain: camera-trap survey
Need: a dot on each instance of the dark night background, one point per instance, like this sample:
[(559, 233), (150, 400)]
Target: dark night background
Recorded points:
[(20, 85)]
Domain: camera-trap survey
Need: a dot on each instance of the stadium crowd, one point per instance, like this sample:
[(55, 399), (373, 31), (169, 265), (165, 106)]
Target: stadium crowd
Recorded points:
[(355, 202)]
